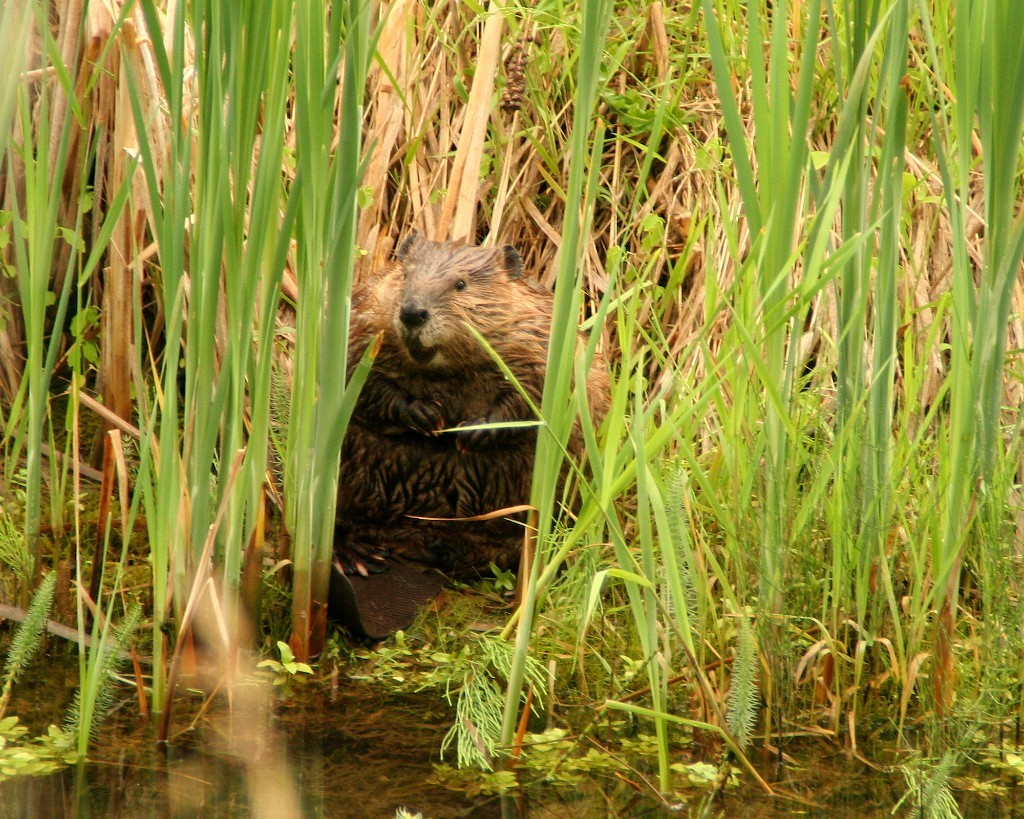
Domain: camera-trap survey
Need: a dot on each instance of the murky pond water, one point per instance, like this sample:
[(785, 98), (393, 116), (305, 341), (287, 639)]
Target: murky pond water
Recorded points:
[(337, 776), (313, 757), (356, 752), (340, 759)]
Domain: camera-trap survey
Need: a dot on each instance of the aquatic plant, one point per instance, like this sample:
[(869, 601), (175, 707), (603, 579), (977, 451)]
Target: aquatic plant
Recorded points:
[(285, 669), (95, 695), (928, 788), (744, 699), (28, 637), (14, 551), (479, 706), (21, 756)]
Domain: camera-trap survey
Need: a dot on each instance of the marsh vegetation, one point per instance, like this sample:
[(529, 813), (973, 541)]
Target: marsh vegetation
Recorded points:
[(794, 230)]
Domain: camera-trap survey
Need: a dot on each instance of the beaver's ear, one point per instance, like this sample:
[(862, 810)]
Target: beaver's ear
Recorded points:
[(405, 249), (513, 262)]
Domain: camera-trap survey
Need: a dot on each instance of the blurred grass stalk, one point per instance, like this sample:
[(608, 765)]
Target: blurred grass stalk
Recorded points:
[(558, 410), (223, 245), (988, 86), (323, 396), (15, 24)]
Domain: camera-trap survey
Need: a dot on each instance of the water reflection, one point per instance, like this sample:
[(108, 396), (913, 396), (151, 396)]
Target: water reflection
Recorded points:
[(366, 755), (351, 758)]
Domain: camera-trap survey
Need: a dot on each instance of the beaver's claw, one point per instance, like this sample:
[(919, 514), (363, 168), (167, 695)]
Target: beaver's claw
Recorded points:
[(362, 558)]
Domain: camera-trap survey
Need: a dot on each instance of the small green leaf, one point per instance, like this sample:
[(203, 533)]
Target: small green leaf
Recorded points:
[(286, 652), (85, 200), (819, 159), (73, 238)]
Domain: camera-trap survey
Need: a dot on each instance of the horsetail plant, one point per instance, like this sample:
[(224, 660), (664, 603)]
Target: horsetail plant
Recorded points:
[(28, 637), (95, 695), (744, 698)]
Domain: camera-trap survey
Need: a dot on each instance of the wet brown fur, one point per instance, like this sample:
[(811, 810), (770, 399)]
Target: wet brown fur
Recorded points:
[(433, 376)]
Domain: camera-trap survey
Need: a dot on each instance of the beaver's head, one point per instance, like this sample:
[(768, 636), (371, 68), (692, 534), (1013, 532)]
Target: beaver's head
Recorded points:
[(447, 286)]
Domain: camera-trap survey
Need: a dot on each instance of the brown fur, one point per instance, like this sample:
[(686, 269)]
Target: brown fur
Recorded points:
[(431, 374)]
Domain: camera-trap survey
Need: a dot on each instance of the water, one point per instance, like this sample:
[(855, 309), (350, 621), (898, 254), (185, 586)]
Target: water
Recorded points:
[(320, 758), (358, 752)]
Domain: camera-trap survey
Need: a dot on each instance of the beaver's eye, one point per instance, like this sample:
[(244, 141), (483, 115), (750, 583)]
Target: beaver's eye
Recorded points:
[(460, 284)]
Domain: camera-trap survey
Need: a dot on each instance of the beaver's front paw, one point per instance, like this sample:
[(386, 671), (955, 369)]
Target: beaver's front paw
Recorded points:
[(472, 440), (422, 416)]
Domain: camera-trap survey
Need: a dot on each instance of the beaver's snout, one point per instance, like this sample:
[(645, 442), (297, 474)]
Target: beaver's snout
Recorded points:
[(412, 329), (413, 315)]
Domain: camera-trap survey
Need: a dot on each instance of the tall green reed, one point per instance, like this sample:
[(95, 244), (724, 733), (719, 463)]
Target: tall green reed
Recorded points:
[(223, 245), (37, 235), (15, 27), (168, 186), (48, 162), (790, 207), (235, 266), (557, 410), (774, 202), (988, 86), (872, 133), (323, 395), (669, 601)]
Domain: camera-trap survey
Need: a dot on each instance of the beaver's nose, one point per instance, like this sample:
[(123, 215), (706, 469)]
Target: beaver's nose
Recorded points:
[(412, 315)]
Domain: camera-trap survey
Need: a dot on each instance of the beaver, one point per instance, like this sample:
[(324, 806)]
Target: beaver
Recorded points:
[(406, 454)]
